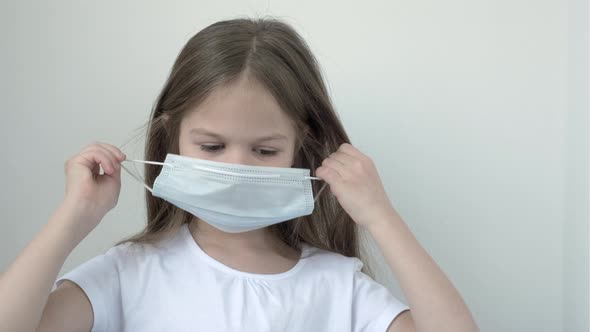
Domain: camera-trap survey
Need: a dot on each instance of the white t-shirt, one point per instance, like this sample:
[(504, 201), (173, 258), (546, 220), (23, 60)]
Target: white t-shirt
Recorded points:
[(176, 286)]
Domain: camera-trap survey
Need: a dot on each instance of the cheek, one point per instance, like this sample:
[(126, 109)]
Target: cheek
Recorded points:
[(292, 157), (286, 160)]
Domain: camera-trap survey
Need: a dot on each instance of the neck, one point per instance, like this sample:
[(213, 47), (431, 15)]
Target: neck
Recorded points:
[(206, 234), (257, 251)]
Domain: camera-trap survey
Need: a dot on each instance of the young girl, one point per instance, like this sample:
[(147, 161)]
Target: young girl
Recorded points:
[(239, 235)]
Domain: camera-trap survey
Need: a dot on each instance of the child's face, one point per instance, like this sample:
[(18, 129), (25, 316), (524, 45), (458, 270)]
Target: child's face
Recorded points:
[(240, 123)]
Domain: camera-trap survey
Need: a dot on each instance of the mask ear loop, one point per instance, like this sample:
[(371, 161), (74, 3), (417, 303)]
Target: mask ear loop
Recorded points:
[(135, 176), (321, 189), (319, 192)]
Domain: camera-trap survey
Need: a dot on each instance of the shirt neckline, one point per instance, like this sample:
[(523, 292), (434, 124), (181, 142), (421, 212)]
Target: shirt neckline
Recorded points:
[(201, 254)]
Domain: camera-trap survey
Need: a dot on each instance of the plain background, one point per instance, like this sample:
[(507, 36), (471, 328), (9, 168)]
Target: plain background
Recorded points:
[(475, 112)]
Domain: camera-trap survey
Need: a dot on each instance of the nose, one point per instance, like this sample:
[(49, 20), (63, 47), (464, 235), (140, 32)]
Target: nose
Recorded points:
[(237, 155)]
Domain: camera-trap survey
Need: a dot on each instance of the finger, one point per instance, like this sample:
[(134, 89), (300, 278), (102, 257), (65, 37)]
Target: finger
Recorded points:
[(109, 151), (115, 150), (350, 150), (337, 166), (90, 146), (111, 148), (334, 166), (97, 156), (112, 156), (327, 174), (343, 158)]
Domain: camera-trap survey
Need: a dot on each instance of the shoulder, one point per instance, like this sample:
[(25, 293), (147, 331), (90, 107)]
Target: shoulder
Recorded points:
[(332, 277), (331, 262), (129, 255), (132, 258)]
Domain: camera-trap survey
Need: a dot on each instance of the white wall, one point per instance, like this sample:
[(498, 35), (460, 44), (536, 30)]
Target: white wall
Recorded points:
[(464, 106), (576, 256)]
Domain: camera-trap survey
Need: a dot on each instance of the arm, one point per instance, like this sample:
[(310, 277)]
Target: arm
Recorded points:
[(25, 302), (67, 309), (435, 304), (25, 286)]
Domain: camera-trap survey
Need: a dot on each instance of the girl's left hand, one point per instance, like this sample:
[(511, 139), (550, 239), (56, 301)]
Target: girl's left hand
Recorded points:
[(354, 180)]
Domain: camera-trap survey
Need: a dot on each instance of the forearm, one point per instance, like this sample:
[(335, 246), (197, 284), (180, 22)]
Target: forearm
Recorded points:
[(26, 284), (435, 303)]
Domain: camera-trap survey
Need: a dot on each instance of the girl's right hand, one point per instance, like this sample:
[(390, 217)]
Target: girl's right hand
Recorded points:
[(91, 193)]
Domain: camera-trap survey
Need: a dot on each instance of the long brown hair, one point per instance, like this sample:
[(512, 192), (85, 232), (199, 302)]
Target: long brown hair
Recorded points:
[(277, 56)]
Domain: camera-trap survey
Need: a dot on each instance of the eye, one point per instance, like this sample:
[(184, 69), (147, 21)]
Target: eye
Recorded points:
[(266, 152), (212, 147)]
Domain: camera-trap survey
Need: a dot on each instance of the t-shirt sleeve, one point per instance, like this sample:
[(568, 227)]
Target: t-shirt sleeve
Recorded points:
[(373, 305), (99, 279)]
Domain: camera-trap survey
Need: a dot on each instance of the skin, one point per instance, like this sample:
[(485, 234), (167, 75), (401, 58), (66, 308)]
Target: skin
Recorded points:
[(435, 304), (231, 121), (206, 133)]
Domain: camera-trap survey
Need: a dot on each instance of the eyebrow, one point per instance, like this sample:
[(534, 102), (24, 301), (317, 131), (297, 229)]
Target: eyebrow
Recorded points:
[(202, 131)]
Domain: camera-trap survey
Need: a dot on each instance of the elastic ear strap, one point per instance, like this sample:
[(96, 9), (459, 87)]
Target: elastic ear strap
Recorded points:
[(147, 162), (136, 177), (319, 192)]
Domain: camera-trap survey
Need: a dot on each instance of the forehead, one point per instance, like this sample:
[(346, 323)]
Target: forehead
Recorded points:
[(243, 107)]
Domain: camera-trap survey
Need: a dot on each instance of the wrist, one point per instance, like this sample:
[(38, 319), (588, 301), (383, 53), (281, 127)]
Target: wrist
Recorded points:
[(384, 220), (76, 218), (80, 209)]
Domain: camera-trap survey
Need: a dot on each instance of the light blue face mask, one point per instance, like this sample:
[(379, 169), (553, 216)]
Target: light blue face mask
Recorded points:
[(232, 197)]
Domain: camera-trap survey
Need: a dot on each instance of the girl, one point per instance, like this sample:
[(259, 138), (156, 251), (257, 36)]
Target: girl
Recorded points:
[(239, 236)]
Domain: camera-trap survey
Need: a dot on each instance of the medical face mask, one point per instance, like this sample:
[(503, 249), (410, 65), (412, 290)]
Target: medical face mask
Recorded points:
[(232, 197)]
